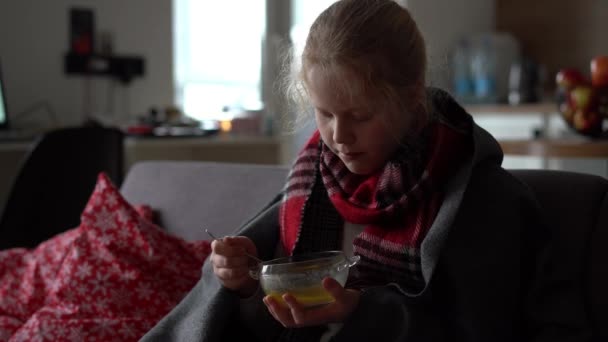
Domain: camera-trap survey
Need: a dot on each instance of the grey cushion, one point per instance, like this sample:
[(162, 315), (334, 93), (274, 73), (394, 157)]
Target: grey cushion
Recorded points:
[(191, 196)]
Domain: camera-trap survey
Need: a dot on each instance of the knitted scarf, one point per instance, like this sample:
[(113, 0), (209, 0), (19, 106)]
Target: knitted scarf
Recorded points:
[(397, 205)]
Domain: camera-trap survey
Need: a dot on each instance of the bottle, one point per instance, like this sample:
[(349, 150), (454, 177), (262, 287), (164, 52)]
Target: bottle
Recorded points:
[(461, 82), (483, 69)]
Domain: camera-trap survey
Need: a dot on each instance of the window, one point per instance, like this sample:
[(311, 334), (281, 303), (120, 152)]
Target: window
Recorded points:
[(218, 52), (304, 14)]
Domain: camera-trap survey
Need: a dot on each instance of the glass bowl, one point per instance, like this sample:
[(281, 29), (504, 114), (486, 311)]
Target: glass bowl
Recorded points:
[(302, 276)]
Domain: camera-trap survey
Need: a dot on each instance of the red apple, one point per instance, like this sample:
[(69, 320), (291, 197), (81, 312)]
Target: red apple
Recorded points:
[(602, 102), (569, 78), (599, 71), (581, 97), (589, 123)]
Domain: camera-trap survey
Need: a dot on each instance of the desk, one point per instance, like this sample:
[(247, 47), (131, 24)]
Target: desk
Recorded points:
[(219, 148)]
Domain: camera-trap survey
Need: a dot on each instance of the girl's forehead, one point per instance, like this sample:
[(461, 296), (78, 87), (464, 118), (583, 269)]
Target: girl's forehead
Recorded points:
[(334, 83)]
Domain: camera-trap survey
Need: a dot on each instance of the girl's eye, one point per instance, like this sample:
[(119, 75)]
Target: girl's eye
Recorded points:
[(324, 113), (362, 117)]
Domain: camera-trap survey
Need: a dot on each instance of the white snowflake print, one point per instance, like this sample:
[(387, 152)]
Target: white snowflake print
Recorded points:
[(93, 234), (106, 239), (8, 301), (56, 255), (104, 219), (89, 209), (127, 331), (144, 292), (100, 306), (141, 312), (130, 275), (115, 269), (124, 243), (105, 255), (18, 272), (101, 187), (47, 272), (86, 306), (70, 297), (111, 200), (61, 332), (123, 217), (97, 201), (99, 283), (48, 331), (124, 233), (55, 286), (28, 286), (75, 334), (121, 297), (81, 289), (83, 270), (138, 242), (76, 254)]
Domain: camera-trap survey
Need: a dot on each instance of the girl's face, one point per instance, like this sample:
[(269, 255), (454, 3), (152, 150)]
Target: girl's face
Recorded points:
[(358, 127)]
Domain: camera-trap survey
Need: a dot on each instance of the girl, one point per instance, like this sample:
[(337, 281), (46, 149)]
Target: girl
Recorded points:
[(401, 176)]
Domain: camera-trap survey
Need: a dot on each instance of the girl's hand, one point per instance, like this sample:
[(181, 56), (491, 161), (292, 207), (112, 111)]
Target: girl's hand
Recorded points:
[(295, 315), (231, 264)]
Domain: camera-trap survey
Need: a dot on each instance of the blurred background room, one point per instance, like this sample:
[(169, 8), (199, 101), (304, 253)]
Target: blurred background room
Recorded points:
[(196, 79)]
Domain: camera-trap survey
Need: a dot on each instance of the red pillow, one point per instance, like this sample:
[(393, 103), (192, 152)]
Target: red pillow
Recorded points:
[(112, 278)]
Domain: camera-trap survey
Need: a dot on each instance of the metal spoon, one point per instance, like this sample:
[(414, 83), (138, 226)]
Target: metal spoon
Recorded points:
[(258, 260)]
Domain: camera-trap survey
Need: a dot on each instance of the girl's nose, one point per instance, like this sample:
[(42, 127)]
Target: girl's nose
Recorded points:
[(343, 133)]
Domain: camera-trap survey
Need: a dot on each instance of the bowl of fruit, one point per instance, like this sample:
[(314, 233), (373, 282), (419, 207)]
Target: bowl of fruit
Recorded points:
[(583, 103)]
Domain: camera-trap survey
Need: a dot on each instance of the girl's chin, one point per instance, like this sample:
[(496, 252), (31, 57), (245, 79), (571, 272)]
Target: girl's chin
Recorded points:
[(359, 167)]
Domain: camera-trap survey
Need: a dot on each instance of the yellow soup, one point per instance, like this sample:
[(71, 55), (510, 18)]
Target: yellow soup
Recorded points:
[(308, 296)]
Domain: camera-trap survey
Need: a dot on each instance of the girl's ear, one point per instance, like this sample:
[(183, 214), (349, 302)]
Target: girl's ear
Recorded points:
[(418, 107)]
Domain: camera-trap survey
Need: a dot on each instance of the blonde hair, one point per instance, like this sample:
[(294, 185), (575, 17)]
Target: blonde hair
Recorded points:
[(378, 40)]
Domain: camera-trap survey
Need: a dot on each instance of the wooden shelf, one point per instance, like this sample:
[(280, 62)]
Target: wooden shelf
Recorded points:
[(557, 148)]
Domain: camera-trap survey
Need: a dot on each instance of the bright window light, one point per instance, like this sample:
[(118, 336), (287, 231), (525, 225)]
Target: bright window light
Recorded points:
[(218, 52)]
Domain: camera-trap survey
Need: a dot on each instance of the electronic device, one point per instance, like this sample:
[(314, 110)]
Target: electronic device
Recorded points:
[(3, 107)]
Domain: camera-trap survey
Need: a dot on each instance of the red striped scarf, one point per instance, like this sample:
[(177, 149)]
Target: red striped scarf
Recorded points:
[(396, 204)]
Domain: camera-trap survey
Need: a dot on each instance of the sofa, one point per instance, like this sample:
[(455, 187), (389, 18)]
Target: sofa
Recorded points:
[(193, 196)]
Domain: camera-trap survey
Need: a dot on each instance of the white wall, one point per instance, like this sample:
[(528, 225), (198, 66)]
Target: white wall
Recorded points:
[(443, 23), (34, 39)]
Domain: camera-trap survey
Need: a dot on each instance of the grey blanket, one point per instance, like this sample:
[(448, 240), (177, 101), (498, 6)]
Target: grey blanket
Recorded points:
[(484, 262)]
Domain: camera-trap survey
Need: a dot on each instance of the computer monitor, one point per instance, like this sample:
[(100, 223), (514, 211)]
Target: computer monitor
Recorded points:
[(3, 109)]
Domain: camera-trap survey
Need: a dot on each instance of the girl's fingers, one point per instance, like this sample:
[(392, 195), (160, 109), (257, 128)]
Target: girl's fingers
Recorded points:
[(334, 288), (297, 312), (231, 273), (280, 313), (222, 261), (243, 242), (226, 249)]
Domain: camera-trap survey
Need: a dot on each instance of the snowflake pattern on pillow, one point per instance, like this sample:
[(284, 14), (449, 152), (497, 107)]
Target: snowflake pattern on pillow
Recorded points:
[(110, 279)]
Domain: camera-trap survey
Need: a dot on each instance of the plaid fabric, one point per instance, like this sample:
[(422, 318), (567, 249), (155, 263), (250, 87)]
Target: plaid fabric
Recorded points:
[(397, 205)]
